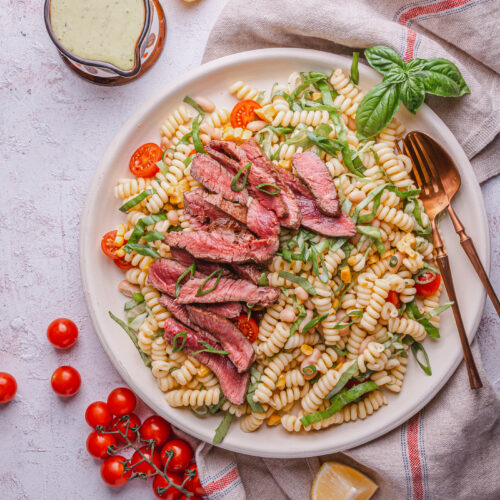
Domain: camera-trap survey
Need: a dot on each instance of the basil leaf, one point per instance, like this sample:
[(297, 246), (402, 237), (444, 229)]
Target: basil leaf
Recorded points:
[(142, 224), (263, 281), (302, 314), (375, 234), (138, 297), (188, 160), (441, 77), (136, 200), (395, 75), (153, 236), (383, 58), (198, 145), (213, 409), (354, 68), (437, 310), (416, 349), (413, 93), (299, 280), (221, 431), (414, 313), (344, 378), (194, 104), (314, 322), (142, 250), (255, 377), (376, 109)]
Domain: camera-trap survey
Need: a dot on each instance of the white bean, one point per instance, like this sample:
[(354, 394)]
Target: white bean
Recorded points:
[(356, 195), (301, 293), (287, 314), (164, 143), (128, 289), (256, 125), (173, 217), (205, 103)]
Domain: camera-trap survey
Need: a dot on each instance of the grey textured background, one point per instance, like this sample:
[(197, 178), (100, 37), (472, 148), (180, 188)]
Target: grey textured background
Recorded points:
[(54, 128)]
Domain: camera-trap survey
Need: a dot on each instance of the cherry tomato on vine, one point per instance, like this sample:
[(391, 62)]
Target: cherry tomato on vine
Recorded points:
[(180, 454), (108, 244), (248, 327), (427, 283), (163, 489), (121, 263), (113, 471), (193, 483), (140, 465), (99, 443), (133, 422), (121, 401), (244, 113), (393, 298), (62, 333), (143, 161), (156, 428), (97, 413), (8, 387), (66, 381)]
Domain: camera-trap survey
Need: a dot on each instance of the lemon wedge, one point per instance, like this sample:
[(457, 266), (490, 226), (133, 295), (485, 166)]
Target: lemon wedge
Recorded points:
[(336, 481)]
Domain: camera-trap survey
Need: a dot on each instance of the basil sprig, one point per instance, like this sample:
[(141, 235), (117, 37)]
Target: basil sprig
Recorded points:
[(403, 82)]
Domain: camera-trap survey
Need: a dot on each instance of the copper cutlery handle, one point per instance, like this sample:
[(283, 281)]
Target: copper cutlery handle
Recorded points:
[(444, 267), (468, 246)]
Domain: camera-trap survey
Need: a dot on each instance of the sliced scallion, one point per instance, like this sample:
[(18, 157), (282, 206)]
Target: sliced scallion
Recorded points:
[(264, 188), (246, 171), (201, 291), (194, 104), (189, 270), (175, 346)]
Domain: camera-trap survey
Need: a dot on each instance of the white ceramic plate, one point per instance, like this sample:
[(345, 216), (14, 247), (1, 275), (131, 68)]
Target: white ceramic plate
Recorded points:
[(100, 279)]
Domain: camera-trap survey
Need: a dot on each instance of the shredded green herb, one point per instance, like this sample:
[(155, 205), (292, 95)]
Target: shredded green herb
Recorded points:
[(136, 200), (300, 317), (255, 377), (189, 270), (208, 348), (175, 346), (244, 170), (313, 323), (299, 280), (354, 68), (221, 431), (200, 292), (194, 104), (142, 250), (263, 187), (198, 145)]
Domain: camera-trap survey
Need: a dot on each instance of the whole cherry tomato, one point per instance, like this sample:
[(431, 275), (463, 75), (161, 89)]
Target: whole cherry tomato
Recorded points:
[(248, 327), (99, 443), (393, 298), (108, 245), (427, 283), (113, 471), (163, 489), (66, 381), (62, 333), (193, 483), (8, 387), (120, 423), (121, 401), (98, 413), (156, 428), (243, 113), (140, 465), (178, 454), (143, 161)]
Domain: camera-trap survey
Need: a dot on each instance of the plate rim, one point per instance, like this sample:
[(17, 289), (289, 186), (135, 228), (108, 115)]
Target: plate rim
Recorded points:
[(133, 121)]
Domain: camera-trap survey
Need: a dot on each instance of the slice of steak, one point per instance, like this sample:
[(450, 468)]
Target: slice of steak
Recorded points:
[(233, 157), (224, 246), (240, 350), (234, 385), (294, 183), (216, 178), (227, 309), (208, 211), (315, 175), (227, 290), (262, 221), (318, 222), (164, 273), (203, 266), (248, 272), (257, 156)]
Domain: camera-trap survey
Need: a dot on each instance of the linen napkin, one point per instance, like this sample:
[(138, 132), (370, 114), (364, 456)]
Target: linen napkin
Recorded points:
[(450, 449)]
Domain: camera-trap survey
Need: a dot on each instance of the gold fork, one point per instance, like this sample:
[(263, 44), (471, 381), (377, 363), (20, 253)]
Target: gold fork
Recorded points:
[(435, 201)]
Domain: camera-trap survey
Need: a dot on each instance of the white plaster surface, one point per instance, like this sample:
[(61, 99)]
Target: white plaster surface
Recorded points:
[(54, 128)]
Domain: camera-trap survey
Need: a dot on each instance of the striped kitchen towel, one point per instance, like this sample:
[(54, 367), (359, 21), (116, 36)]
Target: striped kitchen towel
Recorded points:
[(451, 449)]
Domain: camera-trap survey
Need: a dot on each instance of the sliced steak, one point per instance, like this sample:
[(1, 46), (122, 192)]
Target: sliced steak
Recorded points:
[(216, 178), (257, 156), (227, 309), (317, 178), (318, 222), (164, 273), (214, 211), (227, 290), (233, 384), (262, 221), (233, 157), (203, 266), (293, 182), (240, 350), (248, 272), (224, 246)]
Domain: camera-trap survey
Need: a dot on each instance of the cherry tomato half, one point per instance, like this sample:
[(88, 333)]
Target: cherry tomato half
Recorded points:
[(120, 423), (121, 401), (427, 283), (98, 413), (140, 465), (8, 387), (193, 152), (393, 298), (193, 483), (113, 471), (178, 454), (248, 327), (195, 497), (162, 488), (62, 333), (143, 161), (122, 263), (244, 113), (108, 245), (98, 444), (66, 381), (156, 428)]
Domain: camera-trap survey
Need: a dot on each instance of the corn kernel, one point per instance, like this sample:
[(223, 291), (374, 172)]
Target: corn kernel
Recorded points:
[(335, 303), (266, 113), (236, 134), (339, 366), (281, 382), (120, 252), (352, 260), (120, 233), (306, 349), (286, 164), (146, 263), (203, 371), (274, 419), (315, 96), (372, 259), (345, 274)]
